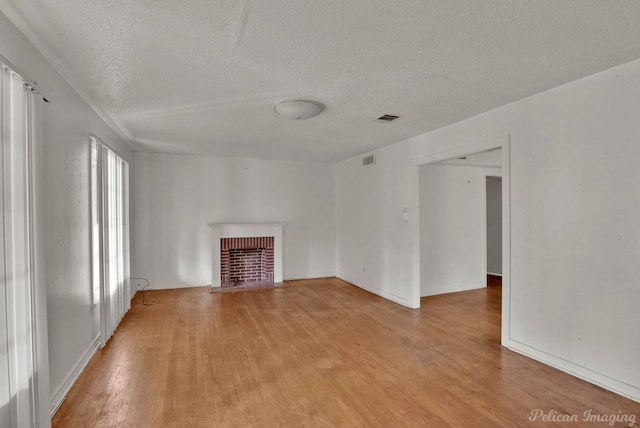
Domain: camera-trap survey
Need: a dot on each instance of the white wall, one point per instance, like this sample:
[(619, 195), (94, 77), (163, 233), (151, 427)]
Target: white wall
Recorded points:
[(494, 225), (68, 120), (177, 196), (451, 229), (372, 248), (575, 238)]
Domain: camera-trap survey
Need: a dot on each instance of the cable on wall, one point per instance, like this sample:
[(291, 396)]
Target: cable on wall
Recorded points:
[(144, 303)]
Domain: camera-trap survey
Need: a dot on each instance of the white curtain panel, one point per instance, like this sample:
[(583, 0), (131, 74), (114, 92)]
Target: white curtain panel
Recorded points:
[(110, 236), (17, 349)]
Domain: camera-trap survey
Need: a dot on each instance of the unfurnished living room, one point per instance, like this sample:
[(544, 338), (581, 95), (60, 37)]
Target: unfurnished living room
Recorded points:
[(278, 213)]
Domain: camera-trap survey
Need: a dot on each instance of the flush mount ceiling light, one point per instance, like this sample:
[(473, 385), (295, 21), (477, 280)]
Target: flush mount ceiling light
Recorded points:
[(298, 109)]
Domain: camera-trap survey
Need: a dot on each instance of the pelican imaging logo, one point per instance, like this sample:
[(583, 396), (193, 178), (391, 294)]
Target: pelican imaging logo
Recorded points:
[(588, 416)]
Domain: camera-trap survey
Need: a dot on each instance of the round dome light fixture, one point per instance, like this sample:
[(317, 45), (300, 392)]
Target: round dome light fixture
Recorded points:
[(298, 109)]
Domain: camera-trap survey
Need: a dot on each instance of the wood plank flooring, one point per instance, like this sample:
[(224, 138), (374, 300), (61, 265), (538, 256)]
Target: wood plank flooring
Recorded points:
[(320, 353)]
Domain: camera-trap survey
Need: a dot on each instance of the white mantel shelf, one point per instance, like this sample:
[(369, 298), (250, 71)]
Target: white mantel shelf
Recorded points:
[(245, 230)]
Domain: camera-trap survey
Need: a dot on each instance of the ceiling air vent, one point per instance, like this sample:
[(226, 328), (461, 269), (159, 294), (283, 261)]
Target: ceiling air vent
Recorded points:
[(369, 160), (386, 118)]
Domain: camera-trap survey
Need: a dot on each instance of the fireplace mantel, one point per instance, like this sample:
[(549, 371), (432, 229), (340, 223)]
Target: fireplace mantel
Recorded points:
[(245, 230)]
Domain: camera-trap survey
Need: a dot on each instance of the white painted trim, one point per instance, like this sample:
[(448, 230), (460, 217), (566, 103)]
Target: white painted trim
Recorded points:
[(311, 275), (602, 380), (374, 290), (59, 395), (476, 167), (506, 241), (207, 282), (494, 274), (414, 235), (172, 286), (414, 221), (458, 152), (492, 172), (483, 214), (446, 289)]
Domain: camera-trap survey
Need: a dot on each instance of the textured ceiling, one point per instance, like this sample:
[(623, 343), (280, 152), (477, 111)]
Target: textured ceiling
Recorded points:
[(202, 76)]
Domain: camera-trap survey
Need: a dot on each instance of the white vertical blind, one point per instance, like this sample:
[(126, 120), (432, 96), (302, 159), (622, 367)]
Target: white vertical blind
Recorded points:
[(17, 350), (5, 386), (110, 234)]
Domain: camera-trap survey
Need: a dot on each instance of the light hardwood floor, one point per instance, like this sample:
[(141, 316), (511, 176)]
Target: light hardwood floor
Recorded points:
[(320, 353)]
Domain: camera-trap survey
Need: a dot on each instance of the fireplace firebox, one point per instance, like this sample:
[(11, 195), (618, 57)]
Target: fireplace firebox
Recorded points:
[(245, 254), (246, 261)]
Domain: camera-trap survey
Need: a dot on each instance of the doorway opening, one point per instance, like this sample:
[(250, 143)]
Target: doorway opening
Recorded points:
[(451, 242), (493, 229)]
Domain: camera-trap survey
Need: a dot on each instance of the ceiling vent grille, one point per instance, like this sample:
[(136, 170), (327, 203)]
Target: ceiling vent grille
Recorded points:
[(386, 118), (369, 160)]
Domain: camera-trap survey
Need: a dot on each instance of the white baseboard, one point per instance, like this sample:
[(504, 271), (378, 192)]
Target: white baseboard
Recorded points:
[(382, 293), (626, 390), (449, 289), (207, 283), (294, 276), (60, 394), (170, 286), (494, 274)]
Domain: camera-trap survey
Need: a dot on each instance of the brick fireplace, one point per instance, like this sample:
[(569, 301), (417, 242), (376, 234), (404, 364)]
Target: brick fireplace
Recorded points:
[(246, 260), (245, 254)]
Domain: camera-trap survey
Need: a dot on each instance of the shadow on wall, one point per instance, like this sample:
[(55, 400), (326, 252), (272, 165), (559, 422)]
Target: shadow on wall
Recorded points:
[(5, 415), (193, 255), (24, 416)]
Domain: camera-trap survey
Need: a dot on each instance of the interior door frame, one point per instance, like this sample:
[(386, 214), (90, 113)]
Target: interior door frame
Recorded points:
[(502, 143)]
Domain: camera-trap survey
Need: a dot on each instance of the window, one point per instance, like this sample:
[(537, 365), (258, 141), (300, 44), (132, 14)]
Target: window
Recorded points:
[(18, 377), (110, 236)]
